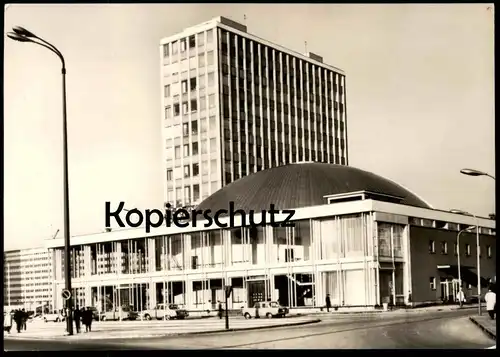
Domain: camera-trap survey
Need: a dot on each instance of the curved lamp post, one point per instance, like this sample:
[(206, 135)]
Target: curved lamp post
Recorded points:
[(478, 254), (22, 35), (468, 229), (472, 172)]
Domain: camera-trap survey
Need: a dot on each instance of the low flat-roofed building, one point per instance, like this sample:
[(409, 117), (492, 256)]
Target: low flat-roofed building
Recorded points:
[(358, 237)]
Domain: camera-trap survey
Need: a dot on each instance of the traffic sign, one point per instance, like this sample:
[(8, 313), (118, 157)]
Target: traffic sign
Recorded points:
[(66, 294)]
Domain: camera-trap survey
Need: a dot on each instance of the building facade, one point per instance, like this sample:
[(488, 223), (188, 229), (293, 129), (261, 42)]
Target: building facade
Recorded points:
[(363, 248), (235, 104), (28, 278)]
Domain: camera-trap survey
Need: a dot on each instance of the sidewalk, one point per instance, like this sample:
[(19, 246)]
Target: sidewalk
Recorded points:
[(486, 324), (103, 330), (343, 311)]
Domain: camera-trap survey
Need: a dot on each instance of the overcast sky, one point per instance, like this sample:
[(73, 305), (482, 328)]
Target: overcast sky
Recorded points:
[(420, 101)]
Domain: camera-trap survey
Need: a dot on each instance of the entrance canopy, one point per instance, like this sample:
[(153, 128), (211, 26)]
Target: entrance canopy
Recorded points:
[(468, 276)]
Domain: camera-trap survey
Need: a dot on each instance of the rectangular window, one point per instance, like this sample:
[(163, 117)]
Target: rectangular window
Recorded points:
[(184, 88), (194, 105), (169, 175), (185, 129), (183, 45), (203, 125), (202, 81), (213, 145), (175, 47), (201, 60), (211, 79), (444, 248), (185, 109), (467, 249), (196, 192), (201, 39), (168, 112), (177, 152), (432, 247), (192, 41), (204, 146), (210, 36), (167, 90), (196, 169), (488, 251), (211, 100), (165, 50), (186, 171), (187, 194), (195, 149), (432, 283), (186, 150), (192, 83), (194, 127), (176, 109), (210, 58), (203, 103)]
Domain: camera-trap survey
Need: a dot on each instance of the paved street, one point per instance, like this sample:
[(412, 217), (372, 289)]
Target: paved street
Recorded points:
[(433, 329)]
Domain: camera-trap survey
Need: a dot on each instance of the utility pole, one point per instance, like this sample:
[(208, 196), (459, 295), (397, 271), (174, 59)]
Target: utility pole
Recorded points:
[(228, 291)]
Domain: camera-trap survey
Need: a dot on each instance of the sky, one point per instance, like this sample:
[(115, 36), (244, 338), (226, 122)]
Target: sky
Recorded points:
[(420, 101)]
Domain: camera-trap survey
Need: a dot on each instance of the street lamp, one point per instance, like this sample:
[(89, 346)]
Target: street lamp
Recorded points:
[(22, 35), (478, 254), (458, 261), (472, 172)]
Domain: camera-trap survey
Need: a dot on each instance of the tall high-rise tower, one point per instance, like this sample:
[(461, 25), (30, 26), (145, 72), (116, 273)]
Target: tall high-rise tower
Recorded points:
[(235, 104)]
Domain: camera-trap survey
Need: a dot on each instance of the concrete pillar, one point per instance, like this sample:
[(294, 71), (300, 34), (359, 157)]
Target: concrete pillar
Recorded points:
[(151, 291), (151, 261), (407, 264), (87, 258), (186, 238)]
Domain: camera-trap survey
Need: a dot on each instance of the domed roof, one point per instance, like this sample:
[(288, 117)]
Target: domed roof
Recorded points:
[(303, 185)]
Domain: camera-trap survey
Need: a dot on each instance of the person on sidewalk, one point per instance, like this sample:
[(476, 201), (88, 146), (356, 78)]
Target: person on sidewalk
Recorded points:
[(24, 319), (18, 318), (90, 317), (461, 297), (7, 321), (77, 316), (220, 310), (84, 315), (491, 301), (328, 303)]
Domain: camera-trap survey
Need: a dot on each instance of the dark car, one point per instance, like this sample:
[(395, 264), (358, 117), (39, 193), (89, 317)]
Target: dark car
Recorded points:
[(95, 313), (181, 313)]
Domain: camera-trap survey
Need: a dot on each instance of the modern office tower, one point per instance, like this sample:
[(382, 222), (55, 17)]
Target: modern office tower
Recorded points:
[(235, 104), (28, 278)]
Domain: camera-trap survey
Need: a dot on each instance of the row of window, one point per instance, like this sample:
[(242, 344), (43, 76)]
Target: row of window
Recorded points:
[(433, 284), (246, 50), (189, 107), (193, 149), (189, 42), (444, 249)]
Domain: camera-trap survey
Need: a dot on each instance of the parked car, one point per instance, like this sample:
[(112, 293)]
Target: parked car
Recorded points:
[(95, 313), (268, 309), (164, 312), (55, 316), (123, 313)]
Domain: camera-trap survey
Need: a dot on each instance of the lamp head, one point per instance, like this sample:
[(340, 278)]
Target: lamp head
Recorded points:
[(472, 172), (17, 37), (459, 211), (22, 31)]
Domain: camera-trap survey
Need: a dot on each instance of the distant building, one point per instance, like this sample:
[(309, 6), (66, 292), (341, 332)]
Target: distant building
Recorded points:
[(359, 237), (28, 278), (235, 104)]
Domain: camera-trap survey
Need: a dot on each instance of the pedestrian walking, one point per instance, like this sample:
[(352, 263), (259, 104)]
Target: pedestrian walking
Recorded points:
[(83, 314), (7, 321), (328, 303), (491, 301), (18, 319), (220, 310), (77, 317), (461, 297), (24, 319), (90, 317)]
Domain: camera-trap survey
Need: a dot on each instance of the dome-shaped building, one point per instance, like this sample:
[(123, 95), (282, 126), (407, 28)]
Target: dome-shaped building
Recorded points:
[(304, 185)]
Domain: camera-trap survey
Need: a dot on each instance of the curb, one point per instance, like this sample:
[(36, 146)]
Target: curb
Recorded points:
[(163, 334), (486, 330)]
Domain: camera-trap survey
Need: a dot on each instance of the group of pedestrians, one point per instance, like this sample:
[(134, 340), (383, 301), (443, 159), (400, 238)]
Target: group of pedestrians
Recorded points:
[(19, 316), (82, 316)]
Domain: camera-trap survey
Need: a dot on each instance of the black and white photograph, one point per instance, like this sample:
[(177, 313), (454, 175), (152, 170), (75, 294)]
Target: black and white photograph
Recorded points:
[(249, 176)]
